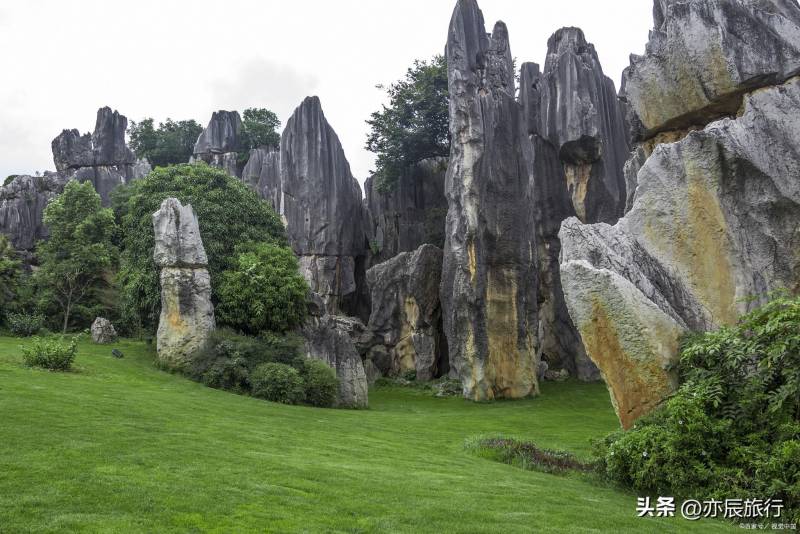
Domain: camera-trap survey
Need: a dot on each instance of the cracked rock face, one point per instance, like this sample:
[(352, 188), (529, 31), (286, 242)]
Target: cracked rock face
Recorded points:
[(263, 174), (327, 338), (187, 315), (410, 215), (696, 68), (217, 145), (715, 221), (406, 315), (22, 204), (582, 117), (489, 275)]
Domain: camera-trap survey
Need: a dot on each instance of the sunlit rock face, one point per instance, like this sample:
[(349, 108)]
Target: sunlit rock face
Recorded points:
[(102, 157), (187, 315), (714, 227), (489, 275), (219, 143), (703, 55)]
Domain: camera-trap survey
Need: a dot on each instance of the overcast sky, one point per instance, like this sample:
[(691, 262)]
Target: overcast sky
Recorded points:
[(62, 60)]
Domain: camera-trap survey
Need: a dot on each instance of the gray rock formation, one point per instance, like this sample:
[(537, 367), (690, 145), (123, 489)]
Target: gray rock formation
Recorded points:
[(328, 338), (102, 158), (187, 315), (581, 116), (489, 276), (310, 184), (411, 214), (218, 144), (703, 55), (22, 204), (263, 174), (714, 227), (406, 315), (103, 331)]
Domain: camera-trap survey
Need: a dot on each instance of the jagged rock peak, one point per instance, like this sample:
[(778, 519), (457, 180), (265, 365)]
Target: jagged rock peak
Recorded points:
[(695, 68), (321, 200), (104, 147), (22, 204), (221, 135)]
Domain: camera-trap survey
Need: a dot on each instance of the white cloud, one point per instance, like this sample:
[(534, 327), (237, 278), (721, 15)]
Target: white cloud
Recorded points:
[(183, 60)]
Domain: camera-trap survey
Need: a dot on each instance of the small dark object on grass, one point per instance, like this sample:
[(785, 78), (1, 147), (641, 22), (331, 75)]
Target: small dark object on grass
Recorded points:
[(117, 353)]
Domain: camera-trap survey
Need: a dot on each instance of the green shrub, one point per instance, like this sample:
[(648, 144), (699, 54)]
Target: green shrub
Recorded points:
[(25, 324), (321, 383), (277, 382), (264, 291), (733, 427), (52, 354), (524, 454)]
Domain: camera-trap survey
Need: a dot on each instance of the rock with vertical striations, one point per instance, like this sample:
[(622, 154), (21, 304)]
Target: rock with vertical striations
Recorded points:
[(489, 275), (714, 228), (263, 174), (411, 214), (406, 315), (582, 117), (703, 55), (320, 203), (187, 315), (219, 143), (22, 204)]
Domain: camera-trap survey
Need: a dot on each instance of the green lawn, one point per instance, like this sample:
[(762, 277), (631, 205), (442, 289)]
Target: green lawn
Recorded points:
[(118, 446)]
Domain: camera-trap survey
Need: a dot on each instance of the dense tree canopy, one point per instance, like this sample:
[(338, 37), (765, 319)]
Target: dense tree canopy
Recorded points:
[(10, 273), (79, 252), (260, 128), (169, 144), (415, 124), (230, 214)]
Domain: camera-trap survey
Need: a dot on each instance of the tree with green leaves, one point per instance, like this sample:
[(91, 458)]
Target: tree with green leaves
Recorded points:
[(79, 251), (10, 274), (169, 144), (263, 291), (415, 124), (230, 214), (260, 128)]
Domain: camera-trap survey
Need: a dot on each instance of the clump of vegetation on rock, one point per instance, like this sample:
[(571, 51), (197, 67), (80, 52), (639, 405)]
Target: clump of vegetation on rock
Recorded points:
[(733, 427)]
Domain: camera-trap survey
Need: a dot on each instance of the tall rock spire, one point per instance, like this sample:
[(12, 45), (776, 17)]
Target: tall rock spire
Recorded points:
[(488, 288)]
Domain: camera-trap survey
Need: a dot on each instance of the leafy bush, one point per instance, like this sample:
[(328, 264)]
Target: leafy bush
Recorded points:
[(25, 324), (277, 382), (321, 383), (230, 215), (264, 291), (229, 358), (733, 427), (10, 273), (51, 354)]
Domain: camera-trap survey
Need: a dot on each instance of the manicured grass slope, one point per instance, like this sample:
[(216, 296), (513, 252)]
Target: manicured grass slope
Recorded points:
[(118, 446)]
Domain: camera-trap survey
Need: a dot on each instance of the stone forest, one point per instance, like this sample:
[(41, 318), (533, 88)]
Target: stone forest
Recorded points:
[(570, 243)]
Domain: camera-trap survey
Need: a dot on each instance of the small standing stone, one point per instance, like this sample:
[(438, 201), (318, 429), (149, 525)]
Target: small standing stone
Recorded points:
[(103, 331)]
